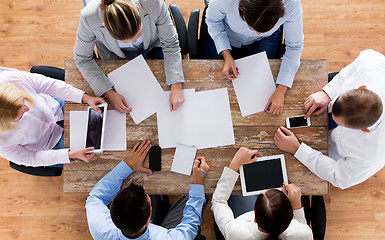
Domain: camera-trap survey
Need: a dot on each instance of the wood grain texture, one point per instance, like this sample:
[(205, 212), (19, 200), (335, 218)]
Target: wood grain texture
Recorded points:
[(256, 131), (43, 32)]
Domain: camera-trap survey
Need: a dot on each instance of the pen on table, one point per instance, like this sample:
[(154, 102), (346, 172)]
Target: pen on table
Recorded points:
[(199, 166), (226, 76)]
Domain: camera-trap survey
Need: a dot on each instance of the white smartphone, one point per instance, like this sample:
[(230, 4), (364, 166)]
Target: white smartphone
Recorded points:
[(96, 123), (298, 121)]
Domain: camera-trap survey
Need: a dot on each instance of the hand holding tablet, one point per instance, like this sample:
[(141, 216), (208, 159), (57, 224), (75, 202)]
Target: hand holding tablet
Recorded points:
[(294, 194), (243, 156)]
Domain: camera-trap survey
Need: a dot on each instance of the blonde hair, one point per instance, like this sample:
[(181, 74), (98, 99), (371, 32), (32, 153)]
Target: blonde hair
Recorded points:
[(11, 100), (121, 18)]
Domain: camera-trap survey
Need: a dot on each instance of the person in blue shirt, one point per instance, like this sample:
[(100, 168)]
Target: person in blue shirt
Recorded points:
[(241, 28), (131, 209)]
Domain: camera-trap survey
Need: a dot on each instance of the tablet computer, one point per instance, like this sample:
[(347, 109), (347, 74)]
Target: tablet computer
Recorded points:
[(266, 173), (96, 123)]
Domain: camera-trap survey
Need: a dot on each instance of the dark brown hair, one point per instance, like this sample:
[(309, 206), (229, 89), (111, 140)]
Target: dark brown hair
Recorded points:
[(261, 15), (130, 209), (121, 18), (359, 108), (273, 212)]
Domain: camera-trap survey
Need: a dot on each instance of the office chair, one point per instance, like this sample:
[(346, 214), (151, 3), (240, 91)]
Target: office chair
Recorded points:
[(56, 73), (180, 26)]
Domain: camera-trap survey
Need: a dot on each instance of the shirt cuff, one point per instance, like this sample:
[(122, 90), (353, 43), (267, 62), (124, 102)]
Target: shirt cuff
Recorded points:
[(222, 44), (285, 78), (233, 175), (62, 155), (175, 82), (123, 170), (303, 153), (76, 96), (331, 89), (299, 214), (196, 190)]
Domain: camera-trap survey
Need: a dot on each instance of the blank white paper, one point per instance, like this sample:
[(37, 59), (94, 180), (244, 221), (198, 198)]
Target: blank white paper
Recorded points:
[(255, 83), (115, 132), (170, 124), (135, 81), (183, 159), (211, 117)]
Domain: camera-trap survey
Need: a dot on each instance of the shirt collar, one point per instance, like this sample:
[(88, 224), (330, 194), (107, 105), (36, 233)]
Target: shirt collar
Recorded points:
[(145, 235)]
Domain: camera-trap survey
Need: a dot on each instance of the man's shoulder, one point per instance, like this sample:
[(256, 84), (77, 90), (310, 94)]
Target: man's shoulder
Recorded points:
[(157, 232)]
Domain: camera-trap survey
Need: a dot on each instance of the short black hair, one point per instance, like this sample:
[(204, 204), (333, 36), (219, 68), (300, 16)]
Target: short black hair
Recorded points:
[(359, 108), (261, 15), (130, 209)]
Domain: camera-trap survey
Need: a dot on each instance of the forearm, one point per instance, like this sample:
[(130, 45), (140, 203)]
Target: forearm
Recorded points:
[(322, 166), (222, 212), (192, 215), (20, 155), (110, 184)]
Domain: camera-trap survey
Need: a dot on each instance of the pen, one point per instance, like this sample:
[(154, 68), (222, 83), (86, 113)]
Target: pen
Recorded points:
[(201, 168), (226, 76)]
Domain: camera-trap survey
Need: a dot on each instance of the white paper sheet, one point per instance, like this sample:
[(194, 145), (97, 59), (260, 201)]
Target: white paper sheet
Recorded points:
[(115, 132), (211, 116), (170, 123), (135, 81), (183, 159), (255, 83)]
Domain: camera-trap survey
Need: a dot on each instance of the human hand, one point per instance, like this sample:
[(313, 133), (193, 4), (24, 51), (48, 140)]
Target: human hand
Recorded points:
[(136, 157), (93, 101), (176, 96), (229, 67), (285, 140), (243, 156), (316, 103), (117, 101), (293, 193), (199, 165), (275, 103), (82, 154)]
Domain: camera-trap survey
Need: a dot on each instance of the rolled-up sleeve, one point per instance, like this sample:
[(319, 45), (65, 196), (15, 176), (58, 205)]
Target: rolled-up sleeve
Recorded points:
[(293, 28), (216, 28)]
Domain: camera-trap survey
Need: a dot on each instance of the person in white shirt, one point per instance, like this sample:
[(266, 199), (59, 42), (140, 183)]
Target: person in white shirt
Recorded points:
[(28, 119), (355, 98), (275, 215)]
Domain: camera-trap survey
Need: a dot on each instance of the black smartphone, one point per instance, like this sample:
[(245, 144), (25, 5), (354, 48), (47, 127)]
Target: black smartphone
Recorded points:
[(155, 158)]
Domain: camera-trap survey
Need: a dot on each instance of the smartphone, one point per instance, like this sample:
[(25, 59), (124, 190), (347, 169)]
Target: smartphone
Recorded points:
[(155, 159), (96, 123), (298, 121)]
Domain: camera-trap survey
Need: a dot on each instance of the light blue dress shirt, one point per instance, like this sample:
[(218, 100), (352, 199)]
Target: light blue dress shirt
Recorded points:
[(227, 28), (99, 218)]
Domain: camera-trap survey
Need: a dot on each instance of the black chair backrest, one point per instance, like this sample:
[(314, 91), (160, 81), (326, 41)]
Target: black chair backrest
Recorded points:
[(192, 34), (180, 27), (48, 71)]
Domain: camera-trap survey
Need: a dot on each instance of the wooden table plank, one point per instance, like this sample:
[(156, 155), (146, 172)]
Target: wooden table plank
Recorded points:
[(255, 131)]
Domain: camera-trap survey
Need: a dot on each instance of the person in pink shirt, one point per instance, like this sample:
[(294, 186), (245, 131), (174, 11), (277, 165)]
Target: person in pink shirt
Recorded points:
[(31, 108)]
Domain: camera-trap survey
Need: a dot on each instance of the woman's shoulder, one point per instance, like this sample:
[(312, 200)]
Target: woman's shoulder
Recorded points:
[(298, 231)]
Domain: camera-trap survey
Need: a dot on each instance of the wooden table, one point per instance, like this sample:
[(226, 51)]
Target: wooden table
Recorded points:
[(255, 131)]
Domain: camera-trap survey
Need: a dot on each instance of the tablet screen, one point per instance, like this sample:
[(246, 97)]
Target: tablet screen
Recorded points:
[(94, 130), (263, 175)]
